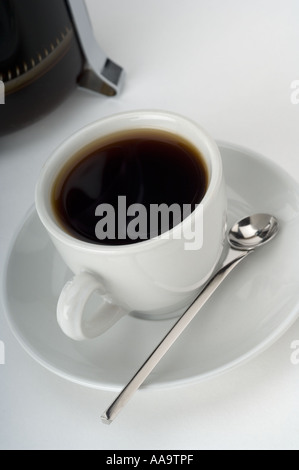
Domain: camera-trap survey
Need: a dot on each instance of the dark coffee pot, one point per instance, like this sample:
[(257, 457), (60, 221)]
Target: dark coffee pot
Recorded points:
[(47, 48)]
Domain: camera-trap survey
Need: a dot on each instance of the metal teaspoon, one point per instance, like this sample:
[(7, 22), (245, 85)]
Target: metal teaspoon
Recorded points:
[(244, 237)]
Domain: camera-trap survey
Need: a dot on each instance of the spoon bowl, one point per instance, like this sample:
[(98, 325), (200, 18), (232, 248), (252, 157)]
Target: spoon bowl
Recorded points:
[(253, 231)]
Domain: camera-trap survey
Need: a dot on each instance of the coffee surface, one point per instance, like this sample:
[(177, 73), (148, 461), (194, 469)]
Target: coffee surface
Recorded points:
[(146, 167)]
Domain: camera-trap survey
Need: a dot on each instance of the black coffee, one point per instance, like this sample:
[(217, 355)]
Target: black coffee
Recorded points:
[(144, 167)]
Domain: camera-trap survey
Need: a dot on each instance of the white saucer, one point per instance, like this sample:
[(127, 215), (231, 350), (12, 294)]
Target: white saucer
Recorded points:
[(250, 311)]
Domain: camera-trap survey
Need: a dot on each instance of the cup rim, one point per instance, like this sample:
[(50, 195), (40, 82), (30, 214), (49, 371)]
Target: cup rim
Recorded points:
[(55, 163)]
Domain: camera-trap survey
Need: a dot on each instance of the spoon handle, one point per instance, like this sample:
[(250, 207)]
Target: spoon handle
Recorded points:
[(233, 258)]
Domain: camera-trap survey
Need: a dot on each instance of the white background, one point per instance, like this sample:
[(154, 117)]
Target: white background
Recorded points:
[(229, 65)]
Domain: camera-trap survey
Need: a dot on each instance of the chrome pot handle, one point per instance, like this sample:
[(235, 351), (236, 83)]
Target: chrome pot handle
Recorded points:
[(100, 74)]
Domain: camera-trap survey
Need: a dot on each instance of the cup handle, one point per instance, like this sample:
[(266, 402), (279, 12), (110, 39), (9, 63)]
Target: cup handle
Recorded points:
[(71, 309)]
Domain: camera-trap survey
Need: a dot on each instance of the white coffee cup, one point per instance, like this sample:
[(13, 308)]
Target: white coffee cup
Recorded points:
[(152, 279)]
